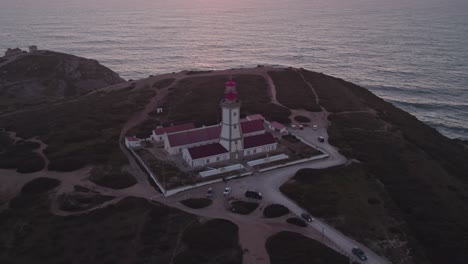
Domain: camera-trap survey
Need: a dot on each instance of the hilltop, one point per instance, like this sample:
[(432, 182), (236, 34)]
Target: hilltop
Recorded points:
[(402, 193), (45, 76)]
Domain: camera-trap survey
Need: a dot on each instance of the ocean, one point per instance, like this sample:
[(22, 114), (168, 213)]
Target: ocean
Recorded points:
[(412, 53)]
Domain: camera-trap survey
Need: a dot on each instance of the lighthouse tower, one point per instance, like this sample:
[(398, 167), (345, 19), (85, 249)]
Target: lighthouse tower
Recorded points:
[(230, 127)]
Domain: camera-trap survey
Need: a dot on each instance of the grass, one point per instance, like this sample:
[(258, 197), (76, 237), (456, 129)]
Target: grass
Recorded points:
[(334, 96), (82, 132), (293, 92), (243, 208), (183, 102), (288, 247), (275, 210), (163, 83), (197, 203)]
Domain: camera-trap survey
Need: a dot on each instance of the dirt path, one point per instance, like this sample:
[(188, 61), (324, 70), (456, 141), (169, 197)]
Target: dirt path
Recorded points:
[(254, 230), (317, 100)]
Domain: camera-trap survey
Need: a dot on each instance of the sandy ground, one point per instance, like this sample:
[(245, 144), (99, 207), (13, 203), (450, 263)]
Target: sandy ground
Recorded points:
[(253, 228)]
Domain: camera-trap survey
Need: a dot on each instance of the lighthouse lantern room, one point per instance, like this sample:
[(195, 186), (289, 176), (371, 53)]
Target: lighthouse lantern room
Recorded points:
[(231, 137)]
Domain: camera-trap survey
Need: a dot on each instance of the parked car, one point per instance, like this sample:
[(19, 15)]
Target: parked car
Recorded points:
[(253, 194), (315, 127), (307, 217), (227, 191), (359, 253), (209, 193), (294, 127), (301, 127), (321, 139)]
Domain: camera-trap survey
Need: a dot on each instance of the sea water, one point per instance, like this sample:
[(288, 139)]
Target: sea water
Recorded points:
[(412, 53)]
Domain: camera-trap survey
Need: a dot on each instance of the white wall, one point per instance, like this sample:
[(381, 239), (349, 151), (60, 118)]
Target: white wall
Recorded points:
[(132, 144), (253, 133), (158, 138), (260, 149)]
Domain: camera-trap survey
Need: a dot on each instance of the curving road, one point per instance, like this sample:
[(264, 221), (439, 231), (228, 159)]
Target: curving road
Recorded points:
[(254, 230)]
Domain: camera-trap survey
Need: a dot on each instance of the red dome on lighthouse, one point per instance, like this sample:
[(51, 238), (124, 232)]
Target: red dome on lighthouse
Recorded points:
[(230, 83), (230, 94)]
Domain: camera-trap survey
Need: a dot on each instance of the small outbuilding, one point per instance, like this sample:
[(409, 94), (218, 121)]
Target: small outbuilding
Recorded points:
[(132, 142), (32, 48), (160, 133), (275, 126)]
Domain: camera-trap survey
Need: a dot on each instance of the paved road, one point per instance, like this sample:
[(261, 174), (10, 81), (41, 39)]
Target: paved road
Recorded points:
[(253, 228)]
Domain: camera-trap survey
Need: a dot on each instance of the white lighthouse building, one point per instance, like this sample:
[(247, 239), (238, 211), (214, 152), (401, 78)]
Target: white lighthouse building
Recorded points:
[(230, 137)]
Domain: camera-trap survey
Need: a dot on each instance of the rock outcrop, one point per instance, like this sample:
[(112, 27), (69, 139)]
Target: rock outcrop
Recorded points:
[(43, 76)]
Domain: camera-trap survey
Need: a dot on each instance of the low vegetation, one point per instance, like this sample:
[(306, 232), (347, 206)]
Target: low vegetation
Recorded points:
[(275, 210), (112, 177), (341, 195), (406, 170), (166, 171), (40, 185), (103, 235), (197, 203), (302, 119), (78, 201), (19, 155), (296, 221), (183, 103), (46, 77), (333, 94), (289, 247), (163, 83), (215, 241), (243, 208), (292, 91), (81, 132)]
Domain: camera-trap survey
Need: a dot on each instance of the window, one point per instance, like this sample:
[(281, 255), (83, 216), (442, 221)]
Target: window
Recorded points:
[(234, 113), (235, 126), (207, 161), (218, 158), (255, 151)]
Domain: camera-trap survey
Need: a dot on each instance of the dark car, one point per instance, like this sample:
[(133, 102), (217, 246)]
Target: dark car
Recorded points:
[(307, 217), (209, 193), (253, 194), (359, 253), (321, 139)]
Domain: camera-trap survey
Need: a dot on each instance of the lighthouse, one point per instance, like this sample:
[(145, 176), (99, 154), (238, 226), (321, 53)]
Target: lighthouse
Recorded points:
[(230, 127)]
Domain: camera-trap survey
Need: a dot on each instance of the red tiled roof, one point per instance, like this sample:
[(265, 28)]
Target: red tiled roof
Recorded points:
[(194, 136), (132, 139), (252, 126), (277, 125), (256, 117), (258, 140), (174, 129), (206, 151)]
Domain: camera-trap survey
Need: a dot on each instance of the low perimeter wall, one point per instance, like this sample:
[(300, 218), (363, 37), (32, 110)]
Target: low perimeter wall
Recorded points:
[(323, 156), (182, 188)]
